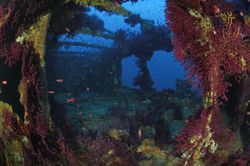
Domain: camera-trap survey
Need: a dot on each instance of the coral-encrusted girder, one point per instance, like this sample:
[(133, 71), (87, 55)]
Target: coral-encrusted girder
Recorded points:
[(210, 41)]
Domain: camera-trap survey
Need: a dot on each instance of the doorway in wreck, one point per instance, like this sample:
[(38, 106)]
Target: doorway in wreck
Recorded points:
[(112, 75)]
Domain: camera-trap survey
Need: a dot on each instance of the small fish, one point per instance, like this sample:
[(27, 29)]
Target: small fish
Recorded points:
[(139, 133), (241, 14), (87, 89), (67, 29), (51, 92), (248, 113), (4, 82), (71, 100), (216, 9), (59, 80)]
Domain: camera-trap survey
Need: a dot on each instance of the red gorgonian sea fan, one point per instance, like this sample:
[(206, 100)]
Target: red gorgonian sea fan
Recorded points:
[(211, 46), (15, 16), (204, 136), (209, 40)]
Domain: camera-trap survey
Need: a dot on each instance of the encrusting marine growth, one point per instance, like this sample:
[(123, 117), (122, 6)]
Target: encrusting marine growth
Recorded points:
[(210, 38), (210, 41)]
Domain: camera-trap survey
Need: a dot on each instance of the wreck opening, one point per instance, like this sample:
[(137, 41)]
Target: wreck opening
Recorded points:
[(105, 70), (95, 82)]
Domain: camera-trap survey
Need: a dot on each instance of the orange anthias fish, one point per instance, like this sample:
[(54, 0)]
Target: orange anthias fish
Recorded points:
[(51, 92), (4, 82), (67, 29), (71, 100), (139, 133), (87, 89), (241, 14), (216, 9), (59, 80)]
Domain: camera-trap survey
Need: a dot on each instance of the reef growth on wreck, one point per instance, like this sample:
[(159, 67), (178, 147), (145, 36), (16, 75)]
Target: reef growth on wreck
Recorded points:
[(210, 38)]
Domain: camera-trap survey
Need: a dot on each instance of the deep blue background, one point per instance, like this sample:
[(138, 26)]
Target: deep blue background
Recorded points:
[(163, 67)]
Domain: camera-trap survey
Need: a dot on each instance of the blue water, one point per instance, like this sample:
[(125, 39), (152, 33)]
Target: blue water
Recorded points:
[(129, 71), (163, 68), (149, 9), (113, 22)]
